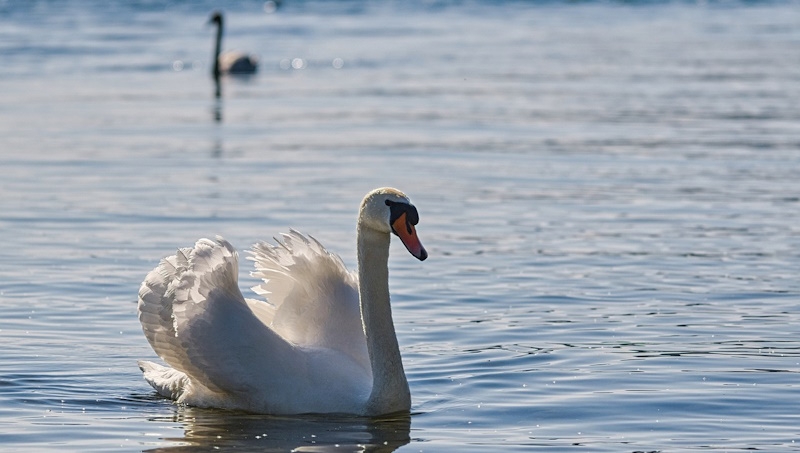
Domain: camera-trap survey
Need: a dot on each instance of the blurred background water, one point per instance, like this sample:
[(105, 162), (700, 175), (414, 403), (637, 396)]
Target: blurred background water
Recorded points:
[(609, 193)]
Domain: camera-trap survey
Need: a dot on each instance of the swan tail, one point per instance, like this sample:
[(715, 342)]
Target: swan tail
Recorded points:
[(168, 382)]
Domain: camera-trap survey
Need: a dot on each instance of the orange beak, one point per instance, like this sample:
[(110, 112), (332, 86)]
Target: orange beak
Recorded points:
[(406, 232)]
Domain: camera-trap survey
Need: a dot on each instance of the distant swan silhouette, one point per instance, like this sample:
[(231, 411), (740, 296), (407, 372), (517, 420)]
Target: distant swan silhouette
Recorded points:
[(323, 342), (230, 62)]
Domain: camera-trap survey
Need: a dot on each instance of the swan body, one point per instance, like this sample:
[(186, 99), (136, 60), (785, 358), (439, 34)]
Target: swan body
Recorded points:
[(231, 61), (323, 341)]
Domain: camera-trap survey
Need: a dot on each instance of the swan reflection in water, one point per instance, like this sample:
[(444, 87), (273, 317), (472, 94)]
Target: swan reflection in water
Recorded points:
[(206, 429)]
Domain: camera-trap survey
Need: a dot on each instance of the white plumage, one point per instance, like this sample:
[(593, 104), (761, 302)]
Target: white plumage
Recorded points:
[(318, 343)]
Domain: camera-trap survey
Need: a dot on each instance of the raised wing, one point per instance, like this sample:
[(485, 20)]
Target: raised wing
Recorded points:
[(311, 297), (194, 317)]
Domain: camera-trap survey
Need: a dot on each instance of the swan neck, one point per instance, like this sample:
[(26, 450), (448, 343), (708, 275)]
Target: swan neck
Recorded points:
[(217, 50), (390, 391)]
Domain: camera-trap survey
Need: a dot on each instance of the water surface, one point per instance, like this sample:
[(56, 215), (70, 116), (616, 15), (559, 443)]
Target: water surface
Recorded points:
[(608, 193)]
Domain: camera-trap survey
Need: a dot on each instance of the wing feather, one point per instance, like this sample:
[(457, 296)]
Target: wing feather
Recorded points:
[(173, 300), (196, 319), (311, 297)]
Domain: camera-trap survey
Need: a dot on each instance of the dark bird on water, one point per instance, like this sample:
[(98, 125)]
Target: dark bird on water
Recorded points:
[(230, 62)]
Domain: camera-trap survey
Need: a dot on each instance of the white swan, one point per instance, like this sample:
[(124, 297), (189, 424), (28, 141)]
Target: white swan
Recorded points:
[(323, 342), (231, 61)]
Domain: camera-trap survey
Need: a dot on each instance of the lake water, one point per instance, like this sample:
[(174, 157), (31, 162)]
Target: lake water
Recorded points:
[(609, 193)]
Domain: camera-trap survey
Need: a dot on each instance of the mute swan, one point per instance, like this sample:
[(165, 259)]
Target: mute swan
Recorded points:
[(230, 62), (323, 342)]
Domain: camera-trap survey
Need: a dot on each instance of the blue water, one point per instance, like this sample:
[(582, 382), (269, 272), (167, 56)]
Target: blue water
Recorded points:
[(609, 193)]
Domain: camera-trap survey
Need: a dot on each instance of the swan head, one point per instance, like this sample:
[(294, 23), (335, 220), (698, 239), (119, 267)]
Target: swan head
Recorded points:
[(389, 211), (216, 18)]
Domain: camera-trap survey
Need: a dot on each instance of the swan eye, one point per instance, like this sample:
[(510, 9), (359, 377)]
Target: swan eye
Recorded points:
[(397, 209), (413, 215)]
